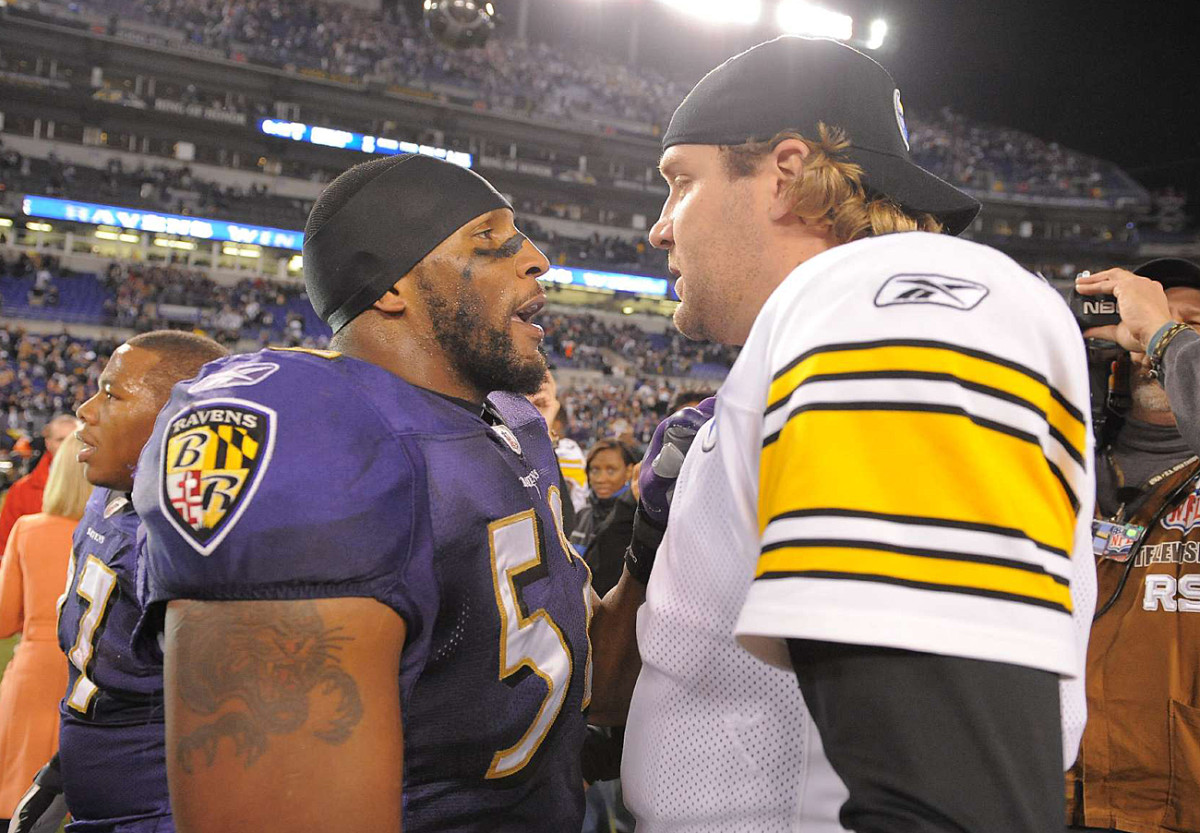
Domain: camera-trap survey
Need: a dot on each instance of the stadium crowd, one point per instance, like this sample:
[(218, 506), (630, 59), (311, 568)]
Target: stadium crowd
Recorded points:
[(179, 190), (44, 375), (544, 80), (347, 41), (141, 297), (997, 159), (250, 309), (628, 414), (590, 342)]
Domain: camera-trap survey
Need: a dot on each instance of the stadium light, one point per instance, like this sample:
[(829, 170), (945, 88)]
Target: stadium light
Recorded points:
[(879, 29), (39, 227), (186, 245), (720, 11), (241, 251), (5, 222), (797, 17)]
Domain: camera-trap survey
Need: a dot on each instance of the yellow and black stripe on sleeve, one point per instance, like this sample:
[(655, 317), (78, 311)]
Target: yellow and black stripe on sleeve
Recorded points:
[(903, 434)]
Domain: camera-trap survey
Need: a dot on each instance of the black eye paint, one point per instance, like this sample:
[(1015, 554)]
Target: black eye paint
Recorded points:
[(507, 250)]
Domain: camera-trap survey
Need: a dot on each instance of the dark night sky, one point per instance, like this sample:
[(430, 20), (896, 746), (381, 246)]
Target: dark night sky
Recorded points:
[(1117, 80)]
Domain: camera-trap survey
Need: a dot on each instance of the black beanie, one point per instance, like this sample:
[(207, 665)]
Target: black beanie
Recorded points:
[(393, 221)]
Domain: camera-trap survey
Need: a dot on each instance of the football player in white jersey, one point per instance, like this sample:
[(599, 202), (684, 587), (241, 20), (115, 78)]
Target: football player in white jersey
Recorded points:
[(876, 570)]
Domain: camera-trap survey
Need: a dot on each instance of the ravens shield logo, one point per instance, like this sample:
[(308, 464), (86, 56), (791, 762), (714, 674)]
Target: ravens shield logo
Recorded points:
[(214, 453)]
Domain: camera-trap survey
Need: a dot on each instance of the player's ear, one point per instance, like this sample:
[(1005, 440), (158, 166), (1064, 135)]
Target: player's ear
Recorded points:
[(394, 301), (785, 163)]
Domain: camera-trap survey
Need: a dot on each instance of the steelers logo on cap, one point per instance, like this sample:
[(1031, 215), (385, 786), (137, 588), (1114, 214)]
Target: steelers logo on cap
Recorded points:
[(900, 118)]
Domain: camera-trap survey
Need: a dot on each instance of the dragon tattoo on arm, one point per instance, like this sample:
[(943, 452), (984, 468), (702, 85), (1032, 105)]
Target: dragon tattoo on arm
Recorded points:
[(262, 672)]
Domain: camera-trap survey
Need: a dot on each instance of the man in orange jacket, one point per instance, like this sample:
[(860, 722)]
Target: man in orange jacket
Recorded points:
[(25, 496)]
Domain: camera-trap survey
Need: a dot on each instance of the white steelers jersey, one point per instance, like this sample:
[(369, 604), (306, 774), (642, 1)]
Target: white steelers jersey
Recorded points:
[(902, 457), (573, 464)]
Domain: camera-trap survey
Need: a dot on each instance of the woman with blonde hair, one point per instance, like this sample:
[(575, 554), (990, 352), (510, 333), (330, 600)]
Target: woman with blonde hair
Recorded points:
[(32, 577)]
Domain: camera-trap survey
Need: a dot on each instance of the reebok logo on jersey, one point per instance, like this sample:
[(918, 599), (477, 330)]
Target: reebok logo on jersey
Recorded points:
[(214, 454), (244, 375), (957, 293)]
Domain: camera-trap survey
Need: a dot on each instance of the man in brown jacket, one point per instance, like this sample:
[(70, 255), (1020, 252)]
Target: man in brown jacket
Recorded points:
[(1139, 765)]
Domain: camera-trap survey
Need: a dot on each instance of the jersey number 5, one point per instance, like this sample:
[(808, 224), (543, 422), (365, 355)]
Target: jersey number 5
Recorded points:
[(530, 640), (96, 585)]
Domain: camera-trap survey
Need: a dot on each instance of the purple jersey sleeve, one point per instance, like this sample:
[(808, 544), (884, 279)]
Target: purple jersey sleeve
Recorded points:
[(274, 476)]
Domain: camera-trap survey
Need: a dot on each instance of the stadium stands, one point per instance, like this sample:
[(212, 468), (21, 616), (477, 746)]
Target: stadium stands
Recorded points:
[(41, 376), (1000, 160), (117, 133), (342, 40), (346, 42)]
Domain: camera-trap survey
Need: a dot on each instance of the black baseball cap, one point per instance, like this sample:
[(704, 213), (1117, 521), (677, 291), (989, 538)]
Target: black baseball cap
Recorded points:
[(1171, 272), (796, 83)]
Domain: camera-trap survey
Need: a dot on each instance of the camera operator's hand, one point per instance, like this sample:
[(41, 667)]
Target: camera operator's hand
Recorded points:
[(1141, 302)]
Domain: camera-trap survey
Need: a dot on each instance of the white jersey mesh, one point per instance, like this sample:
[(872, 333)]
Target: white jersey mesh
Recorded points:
[(717, 740), (1072, 692)]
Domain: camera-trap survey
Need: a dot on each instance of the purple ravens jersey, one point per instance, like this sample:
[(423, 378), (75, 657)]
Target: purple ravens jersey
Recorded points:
[(112, 739), (306, 475)]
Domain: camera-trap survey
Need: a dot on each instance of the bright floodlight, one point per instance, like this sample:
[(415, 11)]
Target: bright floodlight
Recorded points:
[(720, 11), (878, 33), (797, 17)]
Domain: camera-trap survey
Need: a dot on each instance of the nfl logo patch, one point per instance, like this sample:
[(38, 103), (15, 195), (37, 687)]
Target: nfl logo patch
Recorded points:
[(1185, 516), (214, 454)]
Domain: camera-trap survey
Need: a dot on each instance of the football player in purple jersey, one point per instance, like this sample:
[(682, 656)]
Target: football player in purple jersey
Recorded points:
[(371, 617), (111, 765)]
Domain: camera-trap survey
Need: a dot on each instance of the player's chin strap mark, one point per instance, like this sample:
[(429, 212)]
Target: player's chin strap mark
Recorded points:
[(508, 249)]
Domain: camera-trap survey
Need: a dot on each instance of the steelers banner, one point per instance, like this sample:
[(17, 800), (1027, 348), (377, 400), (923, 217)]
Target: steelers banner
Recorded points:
[(214, 453)]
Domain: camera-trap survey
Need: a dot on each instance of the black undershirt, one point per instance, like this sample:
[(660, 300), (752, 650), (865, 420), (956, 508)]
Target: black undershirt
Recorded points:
[(480, 409), (935, 744)]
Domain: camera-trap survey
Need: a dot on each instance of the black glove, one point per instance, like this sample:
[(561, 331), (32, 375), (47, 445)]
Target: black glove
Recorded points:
[(43, 807), (601, 757)]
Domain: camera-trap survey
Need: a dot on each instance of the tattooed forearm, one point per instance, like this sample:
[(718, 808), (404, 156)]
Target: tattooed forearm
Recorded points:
[(259, 670)]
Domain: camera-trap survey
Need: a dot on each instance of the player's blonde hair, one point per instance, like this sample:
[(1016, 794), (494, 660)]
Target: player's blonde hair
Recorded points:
[(830, 192), (67, 490)]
